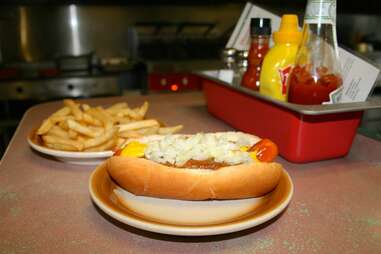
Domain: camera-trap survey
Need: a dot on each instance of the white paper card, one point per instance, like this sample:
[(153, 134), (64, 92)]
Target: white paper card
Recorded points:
[(359, 76)]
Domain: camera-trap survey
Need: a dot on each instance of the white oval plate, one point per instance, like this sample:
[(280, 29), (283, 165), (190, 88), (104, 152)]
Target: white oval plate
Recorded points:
[(186, 218), (79, 158)]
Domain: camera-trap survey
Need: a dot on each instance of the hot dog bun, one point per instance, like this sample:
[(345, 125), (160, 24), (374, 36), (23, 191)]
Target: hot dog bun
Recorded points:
[(148, 178)]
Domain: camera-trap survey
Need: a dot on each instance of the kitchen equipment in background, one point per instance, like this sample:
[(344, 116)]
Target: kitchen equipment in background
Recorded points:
[(40, 33), (174, 82), (60, 87), (73, 63), (163, 36), (59, 51), (180, 35)]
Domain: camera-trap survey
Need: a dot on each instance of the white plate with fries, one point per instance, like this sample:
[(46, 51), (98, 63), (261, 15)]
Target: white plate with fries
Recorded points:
[(79, 158), (82, 134)]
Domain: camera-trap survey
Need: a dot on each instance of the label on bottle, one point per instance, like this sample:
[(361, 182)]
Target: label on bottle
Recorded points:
[(320, 12), (284, 73)]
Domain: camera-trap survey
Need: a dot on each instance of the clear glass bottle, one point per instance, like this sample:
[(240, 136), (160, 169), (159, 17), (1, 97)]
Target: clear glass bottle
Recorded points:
[(316, 76)]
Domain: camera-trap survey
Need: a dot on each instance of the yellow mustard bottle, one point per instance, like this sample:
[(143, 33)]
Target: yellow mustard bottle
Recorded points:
[(280, 59)]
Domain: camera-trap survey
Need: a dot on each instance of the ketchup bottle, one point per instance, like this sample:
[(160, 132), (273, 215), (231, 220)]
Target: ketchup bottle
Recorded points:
[(260, 32), (316, 77)]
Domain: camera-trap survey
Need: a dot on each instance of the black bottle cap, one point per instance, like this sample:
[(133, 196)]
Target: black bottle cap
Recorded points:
[(260, 26)]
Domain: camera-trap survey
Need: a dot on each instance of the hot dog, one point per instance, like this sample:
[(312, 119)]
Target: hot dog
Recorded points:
[(223, 165)]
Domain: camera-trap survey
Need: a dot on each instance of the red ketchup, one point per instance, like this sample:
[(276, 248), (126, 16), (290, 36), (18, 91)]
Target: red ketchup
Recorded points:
[(265, 150), (117, 151), (307, 90), (260, 31)]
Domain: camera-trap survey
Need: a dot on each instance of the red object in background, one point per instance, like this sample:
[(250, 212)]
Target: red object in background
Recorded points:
[(174, 87), (8, 73), (48, 73), (303, 89), (173, 82), (299, 137), (258, 49)]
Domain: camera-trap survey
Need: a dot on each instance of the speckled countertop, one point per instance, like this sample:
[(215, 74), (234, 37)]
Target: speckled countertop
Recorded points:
[(45, 205)]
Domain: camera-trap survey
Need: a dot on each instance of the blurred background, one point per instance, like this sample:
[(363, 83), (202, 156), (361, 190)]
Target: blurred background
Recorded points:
[(56, 49)]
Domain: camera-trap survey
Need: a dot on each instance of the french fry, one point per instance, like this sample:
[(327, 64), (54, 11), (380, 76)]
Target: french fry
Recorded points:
[(124, 120), (135, 114), (128, 113), (89, 119), (114, 109), (130, 134), (98, 130), (64, 125), (143, 110), (109, 134), (148, 130), (107, 120), (57, 119), (80, 127), (61, 147), (120, 142), (169, 130), (98, 113), (62, 141), (85, 107), (58, 131), (72, 134), (62, 112), (72, 124), (74, 108), (103, 147), (46, 125), (121, 119), (138, 125), (81, 138)]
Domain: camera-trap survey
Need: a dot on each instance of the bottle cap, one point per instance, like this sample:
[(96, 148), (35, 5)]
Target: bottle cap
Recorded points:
[(260, 26), (288, 30)]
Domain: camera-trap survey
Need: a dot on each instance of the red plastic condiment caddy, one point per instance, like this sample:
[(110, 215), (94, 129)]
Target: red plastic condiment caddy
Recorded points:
[(303, 133)]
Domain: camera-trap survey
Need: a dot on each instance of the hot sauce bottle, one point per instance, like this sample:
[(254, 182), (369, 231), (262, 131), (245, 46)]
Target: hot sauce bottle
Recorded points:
[(260, 32), (316, 76)]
